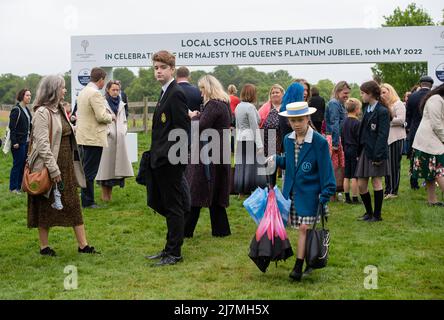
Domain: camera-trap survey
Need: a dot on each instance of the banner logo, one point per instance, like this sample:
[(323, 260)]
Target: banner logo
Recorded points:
[(84, 77)]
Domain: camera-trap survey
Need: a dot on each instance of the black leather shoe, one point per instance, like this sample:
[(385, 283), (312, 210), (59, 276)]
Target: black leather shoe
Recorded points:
[(88, 249), (365, 217), (47, 252), (159, 255), (296, 276), (374, 219), (168, 260)]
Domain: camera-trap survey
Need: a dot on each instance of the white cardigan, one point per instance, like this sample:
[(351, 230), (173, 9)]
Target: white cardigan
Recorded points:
[(397, 129), (430, 135)]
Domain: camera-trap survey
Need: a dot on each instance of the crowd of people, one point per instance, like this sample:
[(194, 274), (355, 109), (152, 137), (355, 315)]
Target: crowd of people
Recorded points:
[(318, 147)]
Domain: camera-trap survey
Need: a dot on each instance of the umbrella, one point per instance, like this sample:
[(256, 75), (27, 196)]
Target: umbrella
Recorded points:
[(270, 243)]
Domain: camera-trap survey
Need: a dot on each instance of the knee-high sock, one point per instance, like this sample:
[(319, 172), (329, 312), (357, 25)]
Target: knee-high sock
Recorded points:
[(367, 200), (379, 197)]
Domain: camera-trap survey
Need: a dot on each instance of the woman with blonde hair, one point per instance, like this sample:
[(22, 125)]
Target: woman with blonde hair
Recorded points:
[(269, 114), (210, 181), (54, 146), (234, 100), (397, 134)]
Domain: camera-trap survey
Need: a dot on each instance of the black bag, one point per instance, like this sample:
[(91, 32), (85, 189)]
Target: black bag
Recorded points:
[(317, 243), (143, 168)]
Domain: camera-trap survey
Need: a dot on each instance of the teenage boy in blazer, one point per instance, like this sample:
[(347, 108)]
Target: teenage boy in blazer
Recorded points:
[(168, 191)]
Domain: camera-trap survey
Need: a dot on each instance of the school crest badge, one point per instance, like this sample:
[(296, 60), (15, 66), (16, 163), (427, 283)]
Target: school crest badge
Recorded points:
[(306, 167), (373, 126), (163, 118)]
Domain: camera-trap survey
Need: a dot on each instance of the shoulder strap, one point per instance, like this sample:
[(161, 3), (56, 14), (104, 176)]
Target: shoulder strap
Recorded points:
[(320, 213), (320, 206)]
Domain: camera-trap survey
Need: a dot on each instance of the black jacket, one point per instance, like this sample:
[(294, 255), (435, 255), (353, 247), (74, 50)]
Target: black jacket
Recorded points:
[(171, 113), (319, 103), (194, 98), (19, 125), (374, 132), (413, 115)]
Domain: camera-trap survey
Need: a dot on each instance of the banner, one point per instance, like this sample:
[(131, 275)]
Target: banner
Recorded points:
[(325, 46)]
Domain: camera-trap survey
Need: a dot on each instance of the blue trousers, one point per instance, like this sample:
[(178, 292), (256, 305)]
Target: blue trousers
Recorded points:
[(18, 165)]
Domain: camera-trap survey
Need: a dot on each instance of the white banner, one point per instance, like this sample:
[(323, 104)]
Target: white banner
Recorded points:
[(327, 46)]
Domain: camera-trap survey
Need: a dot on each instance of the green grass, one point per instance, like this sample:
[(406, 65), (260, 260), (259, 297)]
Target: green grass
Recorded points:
[(406, 248)]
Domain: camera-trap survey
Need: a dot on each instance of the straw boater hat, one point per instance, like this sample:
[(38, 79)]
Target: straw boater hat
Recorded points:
[(297, 109)]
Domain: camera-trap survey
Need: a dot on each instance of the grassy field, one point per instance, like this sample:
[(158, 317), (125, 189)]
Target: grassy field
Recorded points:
[(406, 248)]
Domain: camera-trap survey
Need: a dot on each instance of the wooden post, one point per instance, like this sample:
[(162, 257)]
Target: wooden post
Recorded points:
[(133, 115), (145, 114)]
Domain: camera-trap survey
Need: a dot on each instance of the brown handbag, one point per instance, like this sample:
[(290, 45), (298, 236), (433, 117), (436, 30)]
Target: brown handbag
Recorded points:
[(39, 182)]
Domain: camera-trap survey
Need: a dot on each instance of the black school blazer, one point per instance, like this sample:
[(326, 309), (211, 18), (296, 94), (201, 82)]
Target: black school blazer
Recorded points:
[(374, 132), (171, 113)]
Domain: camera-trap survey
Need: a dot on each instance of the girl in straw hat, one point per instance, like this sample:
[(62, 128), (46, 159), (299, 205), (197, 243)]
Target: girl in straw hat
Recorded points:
[(309, 179)]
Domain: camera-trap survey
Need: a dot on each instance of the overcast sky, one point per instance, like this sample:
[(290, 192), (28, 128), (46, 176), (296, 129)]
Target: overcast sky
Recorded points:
[(35, 35)]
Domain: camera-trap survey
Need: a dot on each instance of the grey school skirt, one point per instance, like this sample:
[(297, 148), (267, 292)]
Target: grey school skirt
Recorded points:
[(366, 169)]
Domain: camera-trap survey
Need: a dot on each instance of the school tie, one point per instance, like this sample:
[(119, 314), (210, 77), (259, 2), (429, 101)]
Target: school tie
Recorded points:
[(161, 94)]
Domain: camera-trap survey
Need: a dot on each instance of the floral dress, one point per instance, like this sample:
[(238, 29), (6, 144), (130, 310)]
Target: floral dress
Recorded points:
[(427, 166)]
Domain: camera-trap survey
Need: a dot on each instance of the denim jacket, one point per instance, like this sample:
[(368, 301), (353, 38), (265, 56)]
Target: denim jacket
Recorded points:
[(335, 116)]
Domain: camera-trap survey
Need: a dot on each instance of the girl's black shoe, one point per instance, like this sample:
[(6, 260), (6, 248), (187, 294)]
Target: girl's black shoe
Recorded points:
[(47, 252), (88, 249), (296, 273)]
